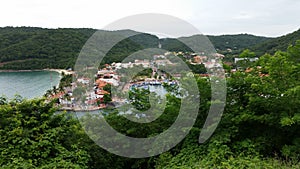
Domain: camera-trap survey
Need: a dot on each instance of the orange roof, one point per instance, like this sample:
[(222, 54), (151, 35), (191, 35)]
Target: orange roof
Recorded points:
[(107, 74), (101, 83), (58, 95), (204, 75), (102, 92), (92, 101)]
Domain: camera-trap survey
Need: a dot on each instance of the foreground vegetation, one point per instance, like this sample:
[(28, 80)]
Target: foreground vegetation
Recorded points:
[(259, 128)]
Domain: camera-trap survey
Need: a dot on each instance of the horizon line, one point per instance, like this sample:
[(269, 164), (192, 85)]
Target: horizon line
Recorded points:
[(206, 34)]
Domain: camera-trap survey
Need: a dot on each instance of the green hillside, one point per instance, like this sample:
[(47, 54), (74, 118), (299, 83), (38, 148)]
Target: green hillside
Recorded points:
[(236, 42), (38, 48), (276, 44), (41, 48), (221, 43)]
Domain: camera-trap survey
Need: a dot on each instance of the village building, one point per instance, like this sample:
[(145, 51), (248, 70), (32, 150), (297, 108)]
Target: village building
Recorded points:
[(83, 80), (144, 63), (241, 59)]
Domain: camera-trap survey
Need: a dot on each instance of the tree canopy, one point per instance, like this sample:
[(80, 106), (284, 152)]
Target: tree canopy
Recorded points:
[(38, 48), (259, 127)]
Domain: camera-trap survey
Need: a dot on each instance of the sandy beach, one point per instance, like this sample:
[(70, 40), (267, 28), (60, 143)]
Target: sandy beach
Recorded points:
[(66, 72)]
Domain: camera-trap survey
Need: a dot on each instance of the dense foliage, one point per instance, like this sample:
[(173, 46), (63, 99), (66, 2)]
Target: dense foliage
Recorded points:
[(38, 48), (221, 43), (236, 42), (259, 128), (260, 125), (41, 48), (33, 135), (276, 44)]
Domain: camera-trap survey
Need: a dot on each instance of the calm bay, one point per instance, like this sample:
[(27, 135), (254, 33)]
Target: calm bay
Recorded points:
[(29, 84)]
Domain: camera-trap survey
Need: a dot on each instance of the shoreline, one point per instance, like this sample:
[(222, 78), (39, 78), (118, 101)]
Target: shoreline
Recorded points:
[(60, 71), (66, 72), (35, 70)]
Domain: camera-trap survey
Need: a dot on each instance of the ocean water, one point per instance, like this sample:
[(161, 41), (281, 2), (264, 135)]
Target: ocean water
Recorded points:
[(27, 84)]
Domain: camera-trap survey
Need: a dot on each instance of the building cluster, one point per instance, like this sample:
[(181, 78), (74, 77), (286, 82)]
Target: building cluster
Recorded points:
[(157, 60), (209, 62), (95, 91)]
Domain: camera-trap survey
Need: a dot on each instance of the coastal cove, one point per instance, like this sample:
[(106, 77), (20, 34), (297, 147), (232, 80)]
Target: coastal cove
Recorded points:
[(27, 83)]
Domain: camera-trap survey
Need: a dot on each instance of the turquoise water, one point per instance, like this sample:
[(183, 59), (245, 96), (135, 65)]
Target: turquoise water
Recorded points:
[(27, 84)]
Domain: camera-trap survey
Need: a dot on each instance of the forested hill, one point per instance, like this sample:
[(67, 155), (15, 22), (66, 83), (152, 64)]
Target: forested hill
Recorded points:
[(236, 42), (41, 48), (281, 43), (37, 48), (221, 43)]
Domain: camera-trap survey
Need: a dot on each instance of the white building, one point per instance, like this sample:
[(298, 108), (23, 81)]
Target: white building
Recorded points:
[(250, 59), (143, 63), (83, 80)]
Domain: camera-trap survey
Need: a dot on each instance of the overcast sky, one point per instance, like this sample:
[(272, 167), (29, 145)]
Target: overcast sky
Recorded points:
[(260, 17)]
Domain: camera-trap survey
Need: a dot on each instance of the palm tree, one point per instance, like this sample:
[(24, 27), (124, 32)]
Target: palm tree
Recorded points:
[(3, 100), (55, 90), (48, 93), (61, 89)]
